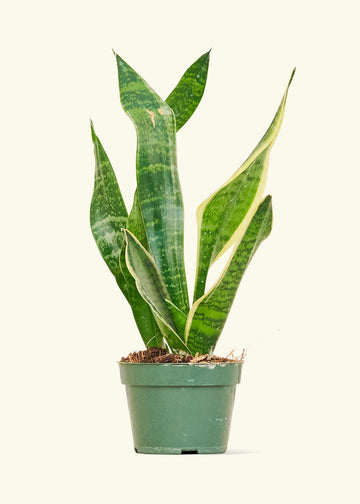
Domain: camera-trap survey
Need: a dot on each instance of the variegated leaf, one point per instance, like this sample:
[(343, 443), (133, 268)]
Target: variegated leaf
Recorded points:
[(158, 185), (108, 216), (183, 100), (187, 94), (150, 284), (223, 217), (209, 313)]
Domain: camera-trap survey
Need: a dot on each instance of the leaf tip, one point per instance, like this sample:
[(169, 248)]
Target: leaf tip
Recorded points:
[(205, 58), (292, 76), (267, 201), (93, 135), (125, 235), (120, 62)]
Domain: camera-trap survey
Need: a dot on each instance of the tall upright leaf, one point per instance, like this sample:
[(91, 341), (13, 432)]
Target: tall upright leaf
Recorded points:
[(158, 184), (183, 101), (187, 94), (108, 216), (209, 313), (223, 217)]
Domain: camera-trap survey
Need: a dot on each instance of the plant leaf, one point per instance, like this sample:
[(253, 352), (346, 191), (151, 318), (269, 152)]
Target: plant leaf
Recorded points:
[(187, 94), (158, 184), (223, 217), (150, 285), (143, 315), (183, 100), (135, 222), (209, 313), (108, 216)]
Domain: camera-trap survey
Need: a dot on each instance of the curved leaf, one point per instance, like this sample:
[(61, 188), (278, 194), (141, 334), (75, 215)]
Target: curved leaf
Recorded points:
[(158, 184), (149, 283), (187, 94), (224, 216), (209, 313)]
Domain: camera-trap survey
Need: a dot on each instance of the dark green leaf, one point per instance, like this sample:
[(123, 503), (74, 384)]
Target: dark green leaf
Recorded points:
[(108, 216), (187, 94), (159, 191)]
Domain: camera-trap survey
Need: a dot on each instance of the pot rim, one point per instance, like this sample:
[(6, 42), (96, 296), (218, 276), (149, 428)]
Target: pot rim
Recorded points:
[(201, 364), (180, 374)]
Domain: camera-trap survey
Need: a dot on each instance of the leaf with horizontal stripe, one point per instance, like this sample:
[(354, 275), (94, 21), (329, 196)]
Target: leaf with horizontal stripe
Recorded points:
[(187, 94), (158, 185), (183, 100), (108, 216), (223, 217), (209, 313)]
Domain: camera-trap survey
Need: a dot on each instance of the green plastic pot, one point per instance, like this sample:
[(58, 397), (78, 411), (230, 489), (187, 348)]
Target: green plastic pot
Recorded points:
[(180, 408)]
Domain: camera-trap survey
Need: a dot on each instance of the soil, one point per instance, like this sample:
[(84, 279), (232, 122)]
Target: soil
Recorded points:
[(159, 355)]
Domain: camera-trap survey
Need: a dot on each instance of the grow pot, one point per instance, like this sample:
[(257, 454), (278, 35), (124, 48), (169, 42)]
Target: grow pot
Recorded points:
[(180, 408)]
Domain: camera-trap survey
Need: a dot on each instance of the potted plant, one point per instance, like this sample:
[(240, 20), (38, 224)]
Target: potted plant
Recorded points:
[(180, 397)]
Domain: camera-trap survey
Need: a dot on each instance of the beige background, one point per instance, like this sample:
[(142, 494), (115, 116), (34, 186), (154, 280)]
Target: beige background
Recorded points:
[(65, 429)]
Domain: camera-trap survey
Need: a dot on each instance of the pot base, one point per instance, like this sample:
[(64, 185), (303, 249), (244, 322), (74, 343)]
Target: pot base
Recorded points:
[(181, 451)]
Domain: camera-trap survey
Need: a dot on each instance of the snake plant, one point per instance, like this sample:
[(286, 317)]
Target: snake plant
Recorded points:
[(144, 248)]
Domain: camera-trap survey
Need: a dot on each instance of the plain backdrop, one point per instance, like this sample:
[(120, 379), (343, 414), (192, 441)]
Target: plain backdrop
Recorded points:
[(65, 432)]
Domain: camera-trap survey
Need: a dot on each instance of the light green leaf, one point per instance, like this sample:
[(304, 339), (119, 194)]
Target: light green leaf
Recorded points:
[(143, 315), (158, 185), (187, 94), (209, 313), (223, 217), (150, 285)]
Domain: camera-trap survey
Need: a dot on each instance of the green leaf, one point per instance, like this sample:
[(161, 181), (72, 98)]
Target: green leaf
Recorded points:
[(135, 225), (209, 313), (224, 216), (158, 185), (187, 94), (143, 315), (150, 285), (108, 216), (183, 100), (135, 222)]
